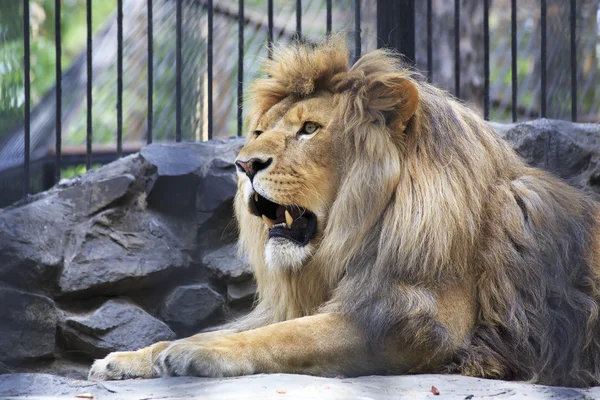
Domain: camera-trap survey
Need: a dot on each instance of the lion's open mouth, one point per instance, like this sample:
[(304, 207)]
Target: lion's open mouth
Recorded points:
[(290, 222)]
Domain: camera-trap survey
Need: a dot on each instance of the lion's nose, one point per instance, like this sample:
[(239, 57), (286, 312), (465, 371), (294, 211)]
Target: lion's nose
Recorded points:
[(252, 166)]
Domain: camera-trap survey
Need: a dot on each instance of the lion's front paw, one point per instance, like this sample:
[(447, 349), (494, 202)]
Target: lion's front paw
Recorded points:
[(122, 365), (187, 359)]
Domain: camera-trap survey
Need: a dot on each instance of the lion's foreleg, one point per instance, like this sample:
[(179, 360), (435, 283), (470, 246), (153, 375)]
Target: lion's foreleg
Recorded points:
[(140, 363), (324, 344)]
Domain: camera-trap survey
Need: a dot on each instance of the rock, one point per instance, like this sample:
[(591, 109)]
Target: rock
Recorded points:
[(31, 244), (27, 326), (288, 386), (216, 224), (241, 292), (570, 151), (118, 251), (188, 309), (93, 196), (116, 326), (197, 181), (4, 369), (226, 265)]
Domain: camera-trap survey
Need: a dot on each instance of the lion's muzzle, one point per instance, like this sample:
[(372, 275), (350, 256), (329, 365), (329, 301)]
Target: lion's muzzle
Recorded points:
[(291, 222)]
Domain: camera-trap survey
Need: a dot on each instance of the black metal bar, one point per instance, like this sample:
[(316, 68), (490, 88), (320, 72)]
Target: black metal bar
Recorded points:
[(240, 88), (329, 17), (543, 57), (396, 26), (357, 40), (429, 41), (119, 78), (178, 66), (486, 59), (150, 72), (573, 60), (209, 68), (457, 48), (88, 159), (58, 123), (27, 62), (513, 54), (270, 35), (298, 19)]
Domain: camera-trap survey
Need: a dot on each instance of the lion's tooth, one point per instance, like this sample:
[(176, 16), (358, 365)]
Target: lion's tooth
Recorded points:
[(268, 221), (256, 197), (288, 218)]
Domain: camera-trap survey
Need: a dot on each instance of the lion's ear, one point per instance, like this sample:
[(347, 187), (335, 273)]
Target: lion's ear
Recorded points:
[(394, 96)]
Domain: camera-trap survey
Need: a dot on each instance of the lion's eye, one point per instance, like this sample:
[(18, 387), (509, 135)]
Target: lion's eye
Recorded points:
[(309, 128), (257, 133)]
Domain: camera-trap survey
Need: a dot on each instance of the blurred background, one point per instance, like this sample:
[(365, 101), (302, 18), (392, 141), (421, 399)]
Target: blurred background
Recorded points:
[(225, 76)]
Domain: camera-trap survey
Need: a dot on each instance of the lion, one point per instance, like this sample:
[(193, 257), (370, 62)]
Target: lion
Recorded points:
[(392, 231)]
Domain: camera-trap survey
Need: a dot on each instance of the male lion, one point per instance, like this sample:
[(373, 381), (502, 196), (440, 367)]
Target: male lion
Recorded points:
[(392, 231)]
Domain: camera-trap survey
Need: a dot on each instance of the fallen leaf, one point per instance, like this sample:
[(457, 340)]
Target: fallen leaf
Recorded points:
[(469, 397), (85, 396), (281, 391), (435, 391)]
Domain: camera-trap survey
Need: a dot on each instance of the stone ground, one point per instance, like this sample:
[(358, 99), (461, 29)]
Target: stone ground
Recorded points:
[(284, 387)]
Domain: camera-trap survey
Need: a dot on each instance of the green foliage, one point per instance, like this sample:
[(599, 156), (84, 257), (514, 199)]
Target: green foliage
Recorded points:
[(43, 51), (74, 170)]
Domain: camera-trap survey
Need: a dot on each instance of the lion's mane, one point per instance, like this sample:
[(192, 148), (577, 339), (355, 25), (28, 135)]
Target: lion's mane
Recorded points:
[(423, 205)]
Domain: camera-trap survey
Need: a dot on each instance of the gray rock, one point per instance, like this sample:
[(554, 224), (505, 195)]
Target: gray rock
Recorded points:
[(176, 159), (216, 224), (4, 369), (288, 387), (226, 265), (241, 292), (31, 244), (570, 151), (188, 309), (115, 326), (27, 326), (93, 196), (118, 251)]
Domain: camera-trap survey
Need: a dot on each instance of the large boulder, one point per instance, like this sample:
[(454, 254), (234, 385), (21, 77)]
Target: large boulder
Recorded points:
[(27, 326), (570, 151), (226, 265), (188, 309), (115, 326)]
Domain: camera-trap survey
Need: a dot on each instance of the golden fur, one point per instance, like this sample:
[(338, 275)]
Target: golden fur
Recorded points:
[(436, 249)]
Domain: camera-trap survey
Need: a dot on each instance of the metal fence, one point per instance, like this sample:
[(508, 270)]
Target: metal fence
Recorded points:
[(396, 25)]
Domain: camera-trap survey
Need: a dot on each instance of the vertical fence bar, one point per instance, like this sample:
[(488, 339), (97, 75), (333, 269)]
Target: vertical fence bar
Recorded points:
[(58, 123), (240, 88), (27, 77), (298, 19), (486, 59), (270, 35), (329, 17), (543, 58), (209, 68), (457, 48), (119, 78), (88, 158), (396, 26), (429, 42), (150, 71), (178, 67), (574, 60), (357, 40), (513, 55)]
